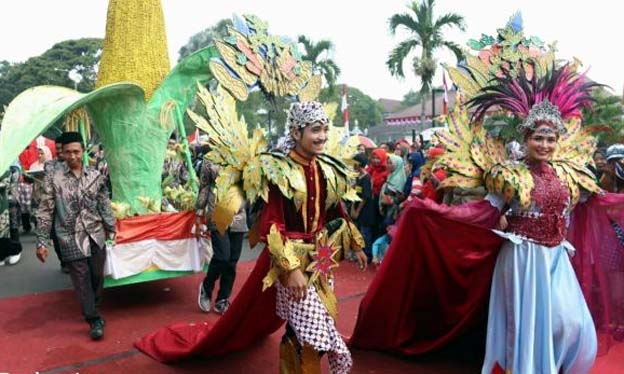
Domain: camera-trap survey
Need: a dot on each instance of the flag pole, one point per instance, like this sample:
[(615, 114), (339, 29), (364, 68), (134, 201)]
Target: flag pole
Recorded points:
[(344, 108)]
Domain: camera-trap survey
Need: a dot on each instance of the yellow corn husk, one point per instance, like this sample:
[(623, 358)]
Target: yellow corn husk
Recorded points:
[(73, 119), (135, 46)]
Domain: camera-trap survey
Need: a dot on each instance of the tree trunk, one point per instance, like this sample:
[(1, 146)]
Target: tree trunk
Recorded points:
[(423, 115)]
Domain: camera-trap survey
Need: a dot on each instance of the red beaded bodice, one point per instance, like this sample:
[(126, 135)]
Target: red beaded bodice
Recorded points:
[(545, 222)]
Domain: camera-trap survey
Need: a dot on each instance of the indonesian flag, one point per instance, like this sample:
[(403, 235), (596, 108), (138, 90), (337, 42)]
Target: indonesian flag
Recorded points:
[(445, 98), (344, 108), (194, 137), (162, 241)]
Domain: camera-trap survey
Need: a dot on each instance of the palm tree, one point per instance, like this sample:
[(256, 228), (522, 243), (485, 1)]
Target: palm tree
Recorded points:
[(318, 55), (426, 35), (609, 111)]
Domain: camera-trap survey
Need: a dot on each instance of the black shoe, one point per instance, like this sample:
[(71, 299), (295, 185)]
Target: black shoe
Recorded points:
[(97, 329), (221, 306)]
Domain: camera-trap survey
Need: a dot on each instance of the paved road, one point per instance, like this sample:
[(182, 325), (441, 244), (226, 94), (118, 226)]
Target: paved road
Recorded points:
[(29, 276)]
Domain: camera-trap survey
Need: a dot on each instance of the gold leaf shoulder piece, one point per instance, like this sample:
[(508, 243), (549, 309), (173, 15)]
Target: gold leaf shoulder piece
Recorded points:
[(235, 86), (283, 173), (339, 177), (511, 179), (340, 166)]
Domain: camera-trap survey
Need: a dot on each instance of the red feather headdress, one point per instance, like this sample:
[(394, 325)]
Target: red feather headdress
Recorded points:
[(557, 96)]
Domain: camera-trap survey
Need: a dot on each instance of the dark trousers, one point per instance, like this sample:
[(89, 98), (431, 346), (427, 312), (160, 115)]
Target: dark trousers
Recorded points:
[(367, 234), (55, 243), (87, 276), (227, 250), (26, 225)]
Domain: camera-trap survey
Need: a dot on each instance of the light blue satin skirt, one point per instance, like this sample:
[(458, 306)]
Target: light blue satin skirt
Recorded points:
[(538, 321)]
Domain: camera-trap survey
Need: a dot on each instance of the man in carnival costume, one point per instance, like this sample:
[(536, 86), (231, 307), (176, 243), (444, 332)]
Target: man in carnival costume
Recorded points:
[(308, 305), (292, 280)]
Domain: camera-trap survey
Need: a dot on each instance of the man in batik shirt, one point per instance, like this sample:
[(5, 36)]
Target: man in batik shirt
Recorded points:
[(75, 198)]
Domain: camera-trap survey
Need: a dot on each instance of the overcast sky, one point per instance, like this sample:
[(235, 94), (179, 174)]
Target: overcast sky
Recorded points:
[(359, 30)]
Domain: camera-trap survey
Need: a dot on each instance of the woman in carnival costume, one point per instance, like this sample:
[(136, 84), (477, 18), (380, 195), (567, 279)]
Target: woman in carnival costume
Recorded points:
[(538, 321), (538, 318)]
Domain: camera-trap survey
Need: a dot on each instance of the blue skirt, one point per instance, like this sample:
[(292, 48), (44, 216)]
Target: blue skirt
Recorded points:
[(538, 321)]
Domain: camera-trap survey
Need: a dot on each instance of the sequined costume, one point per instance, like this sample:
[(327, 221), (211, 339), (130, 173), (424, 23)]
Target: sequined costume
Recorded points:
[(538, 321), (538, 318)]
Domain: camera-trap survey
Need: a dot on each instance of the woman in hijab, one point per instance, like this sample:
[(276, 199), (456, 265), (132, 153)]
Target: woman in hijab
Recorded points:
[(389, 201), (412, 184), (43, 154), (378, 171), (392, 191)]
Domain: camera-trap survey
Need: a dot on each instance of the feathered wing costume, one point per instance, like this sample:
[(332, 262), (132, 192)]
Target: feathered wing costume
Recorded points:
[(250, 172), (440, 264)]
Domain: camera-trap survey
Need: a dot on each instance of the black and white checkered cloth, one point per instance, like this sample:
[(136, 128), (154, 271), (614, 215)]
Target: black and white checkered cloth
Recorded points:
[(314, 326)]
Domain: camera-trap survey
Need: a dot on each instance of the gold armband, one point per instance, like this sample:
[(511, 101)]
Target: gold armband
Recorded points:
[(284, 254), (284, 257)]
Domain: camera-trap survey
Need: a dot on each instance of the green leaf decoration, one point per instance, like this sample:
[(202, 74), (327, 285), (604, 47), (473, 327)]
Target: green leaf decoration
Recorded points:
[(36, 109), (474, 44)]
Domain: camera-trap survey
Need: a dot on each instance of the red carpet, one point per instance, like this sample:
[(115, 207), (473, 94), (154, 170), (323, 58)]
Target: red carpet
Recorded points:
[(45, 333)]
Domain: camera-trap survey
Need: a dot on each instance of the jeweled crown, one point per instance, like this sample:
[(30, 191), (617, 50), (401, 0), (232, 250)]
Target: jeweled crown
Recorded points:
[(543, 111)]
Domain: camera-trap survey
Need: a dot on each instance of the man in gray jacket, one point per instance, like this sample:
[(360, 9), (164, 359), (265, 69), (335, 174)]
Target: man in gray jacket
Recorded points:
[(227, 247)]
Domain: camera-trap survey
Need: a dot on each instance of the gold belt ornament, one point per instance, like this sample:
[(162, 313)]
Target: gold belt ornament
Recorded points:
[(316, 260)]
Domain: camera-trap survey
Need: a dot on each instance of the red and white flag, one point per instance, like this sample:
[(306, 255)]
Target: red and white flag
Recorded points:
[(445, 99), (344, 108), (194, 137)]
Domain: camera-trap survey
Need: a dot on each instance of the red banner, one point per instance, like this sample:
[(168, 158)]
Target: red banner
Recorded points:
[(161, 226)]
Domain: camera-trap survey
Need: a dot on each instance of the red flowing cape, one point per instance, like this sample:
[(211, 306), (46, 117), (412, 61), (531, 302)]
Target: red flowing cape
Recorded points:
[(592, 235), (250, 318), (434, 282), (432, 286)]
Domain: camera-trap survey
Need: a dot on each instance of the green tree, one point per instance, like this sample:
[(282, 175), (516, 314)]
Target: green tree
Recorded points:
[(51, 68), (275, 109), (203, 38), (608, 111), (363, 108), (426, 35), (411, 98), (319, 55)]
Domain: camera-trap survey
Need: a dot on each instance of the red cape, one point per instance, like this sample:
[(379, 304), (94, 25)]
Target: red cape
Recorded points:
[(434, 282), (250, 318), (432, 287)]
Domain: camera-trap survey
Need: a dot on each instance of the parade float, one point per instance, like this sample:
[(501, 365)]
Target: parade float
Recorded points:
[(136, 106)]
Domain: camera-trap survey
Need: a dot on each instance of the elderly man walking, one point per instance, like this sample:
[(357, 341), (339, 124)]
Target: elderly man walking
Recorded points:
[(75, 199)]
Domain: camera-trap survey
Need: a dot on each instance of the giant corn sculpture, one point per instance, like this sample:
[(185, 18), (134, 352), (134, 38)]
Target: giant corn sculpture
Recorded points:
[(138, 101)]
